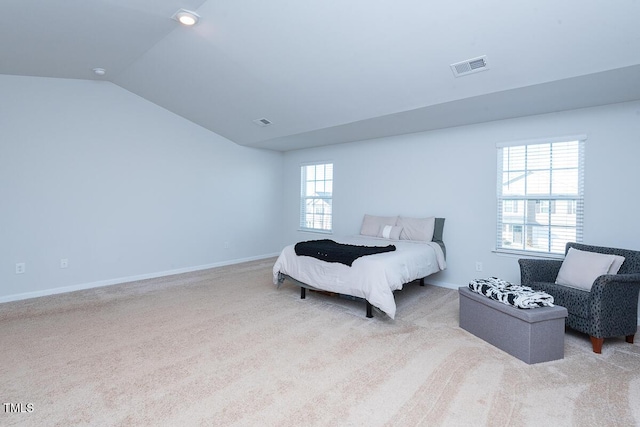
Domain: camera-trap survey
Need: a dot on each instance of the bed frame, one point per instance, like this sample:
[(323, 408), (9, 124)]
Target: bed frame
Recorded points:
[(304, 287)]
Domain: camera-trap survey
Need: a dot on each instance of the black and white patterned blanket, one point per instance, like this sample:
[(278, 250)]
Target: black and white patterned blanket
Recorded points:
[(508, 293)]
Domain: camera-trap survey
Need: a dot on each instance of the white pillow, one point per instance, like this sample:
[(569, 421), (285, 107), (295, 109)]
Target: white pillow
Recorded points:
[(390, 232), (417, 228), (616, 264), (581, 268), (371, 224)]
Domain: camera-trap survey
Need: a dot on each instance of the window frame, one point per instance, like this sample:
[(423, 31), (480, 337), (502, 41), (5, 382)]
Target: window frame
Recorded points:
[(309, 202), (554, 244)]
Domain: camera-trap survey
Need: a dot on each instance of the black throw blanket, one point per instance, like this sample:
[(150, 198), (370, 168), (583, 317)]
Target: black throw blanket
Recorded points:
[(330, 251)]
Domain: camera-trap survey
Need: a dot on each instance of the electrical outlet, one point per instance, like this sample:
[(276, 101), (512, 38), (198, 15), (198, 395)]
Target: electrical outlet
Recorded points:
[(21, 267), (227, 245), (478, 266), (64, 263)]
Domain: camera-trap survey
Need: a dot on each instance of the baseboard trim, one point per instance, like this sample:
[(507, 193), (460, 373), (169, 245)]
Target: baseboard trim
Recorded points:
[(441, 284), (117, 281)]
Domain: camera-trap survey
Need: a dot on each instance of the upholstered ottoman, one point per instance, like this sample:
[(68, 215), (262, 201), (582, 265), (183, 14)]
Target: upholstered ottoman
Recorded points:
[(532, 335)]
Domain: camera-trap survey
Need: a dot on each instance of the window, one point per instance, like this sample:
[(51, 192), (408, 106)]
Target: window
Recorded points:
[(540, 195), (511, 206), (316, 193), (545, 206)]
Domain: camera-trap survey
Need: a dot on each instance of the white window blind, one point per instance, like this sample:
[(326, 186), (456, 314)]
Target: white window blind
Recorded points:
[(540, 195), (316, 197)]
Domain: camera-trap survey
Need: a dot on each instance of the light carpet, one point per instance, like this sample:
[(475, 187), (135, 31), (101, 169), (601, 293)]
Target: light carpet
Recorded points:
[(224, 347)]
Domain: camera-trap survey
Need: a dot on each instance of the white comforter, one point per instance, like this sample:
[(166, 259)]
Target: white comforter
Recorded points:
[(373, 277)]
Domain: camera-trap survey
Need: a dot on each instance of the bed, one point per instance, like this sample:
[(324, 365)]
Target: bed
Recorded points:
[(373, 278)]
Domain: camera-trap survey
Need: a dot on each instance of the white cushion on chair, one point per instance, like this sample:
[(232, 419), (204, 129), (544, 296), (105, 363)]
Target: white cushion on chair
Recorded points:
[(617, 263), (581, 268)]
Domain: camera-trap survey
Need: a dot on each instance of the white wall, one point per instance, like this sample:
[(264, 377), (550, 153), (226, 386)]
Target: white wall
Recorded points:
[(452, 173), (122, 189), (125, 189)]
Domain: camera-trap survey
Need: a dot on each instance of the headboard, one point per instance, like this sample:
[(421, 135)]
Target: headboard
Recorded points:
[(437, 234)]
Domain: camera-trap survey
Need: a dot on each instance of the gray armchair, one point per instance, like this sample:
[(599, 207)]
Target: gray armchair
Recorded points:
[(609, 310)]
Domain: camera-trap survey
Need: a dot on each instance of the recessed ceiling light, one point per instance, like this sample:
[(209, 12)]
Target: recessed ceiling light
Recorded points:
[(186, 17), (99, 71)]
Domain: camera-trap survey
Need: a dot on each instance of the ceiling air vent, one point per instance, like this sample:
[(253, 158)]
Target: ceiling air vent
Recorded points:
[(470, 66), (262, 122)]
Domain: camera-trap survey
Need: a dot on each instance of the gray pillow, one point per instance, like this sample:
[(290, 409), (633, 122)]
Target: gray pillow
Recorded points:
[(371, 224), (420, 229)]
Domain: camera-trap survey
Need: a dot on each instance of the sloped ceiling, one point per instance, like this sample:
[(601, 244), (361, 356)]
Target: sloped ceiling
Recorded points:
[(331, 71)]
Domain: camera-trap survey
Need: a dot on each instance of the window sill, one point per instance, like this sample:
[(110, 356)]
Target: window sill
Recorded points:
[(311, 230), (526, 254)]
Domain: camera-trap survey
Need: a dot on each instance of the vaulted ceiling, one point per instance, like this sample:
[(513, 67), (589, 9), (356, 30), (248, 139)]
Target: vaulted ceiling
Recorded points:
[(333, 71)]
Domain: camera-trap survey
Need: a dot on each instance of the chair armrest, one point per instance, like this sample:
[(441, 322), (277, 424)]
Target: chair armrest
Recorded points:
[(538, 270), (614, 304), (624, 281)]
